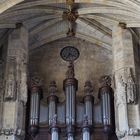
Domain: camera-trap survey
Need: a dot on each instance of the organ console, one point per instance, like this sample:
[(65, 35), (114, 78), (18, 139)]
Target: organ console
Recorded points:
[(70, 119)]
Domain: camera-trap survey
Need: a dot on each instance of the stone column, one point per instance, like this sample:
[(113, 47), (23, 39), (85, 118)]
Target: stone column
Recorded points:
[(126, 87), (15, 94), (1, 90)]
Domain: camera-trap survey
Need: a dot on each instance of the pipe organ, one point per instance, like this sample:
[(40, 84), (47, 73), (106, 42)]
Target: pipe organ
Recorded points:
[(35, 91), (70, 119)]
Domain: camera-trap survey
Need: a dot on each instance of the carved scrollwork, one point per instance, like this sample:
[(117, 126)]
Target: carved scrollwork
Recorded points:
[(88, 89), (52, 88), (35, 81), (105, 80)]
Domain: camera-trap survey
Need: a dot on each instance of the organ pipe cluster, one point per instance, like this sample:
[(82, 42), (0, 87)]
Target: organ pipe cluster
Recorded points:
[(107, 106), (70, 123), (35, 90), (70, 88), (52, 106)]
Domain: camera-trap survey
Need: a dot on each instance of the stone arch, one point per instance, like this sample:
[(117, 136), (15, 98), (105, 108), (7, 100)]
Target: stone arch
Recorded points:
[(6, 4)]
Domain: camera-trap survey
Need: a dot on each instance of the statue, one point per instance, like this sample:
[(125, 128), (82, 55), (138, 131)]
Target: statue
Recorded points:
[(131, 88), (70, 71), (10, 90), (23, 81)]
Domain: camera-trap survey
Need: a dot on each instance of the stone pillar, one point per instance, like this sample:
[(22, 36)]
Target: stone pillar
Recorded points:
[(15, 93), (126, 87), (1, 90)]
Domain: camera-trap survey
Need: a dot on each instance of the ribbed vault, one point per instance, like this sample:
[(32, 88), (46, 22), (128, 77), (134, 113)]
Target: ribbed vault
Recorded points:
[(45, 22)]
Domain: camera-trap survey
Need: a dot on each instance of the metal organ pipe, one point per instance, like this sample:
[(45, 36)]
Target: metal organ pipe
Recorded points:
[(35, 105), (70, 136), (106, 96), (88, 111), (88, 102), (70, 88), (52, 103), (86, 133), (86, 129), (54, 134)]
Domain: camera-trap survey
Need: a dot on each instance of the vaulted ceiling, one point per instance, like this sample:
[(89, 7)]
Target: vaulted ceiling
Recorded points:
[(46, 21)]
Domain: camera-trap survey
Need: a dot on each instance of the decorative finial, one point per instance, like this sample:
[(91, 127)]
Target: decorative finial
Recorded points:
[(88, 89), (54, 120), (85, 121), (70, 71), (35, 81), (52, 88), (105, 80)]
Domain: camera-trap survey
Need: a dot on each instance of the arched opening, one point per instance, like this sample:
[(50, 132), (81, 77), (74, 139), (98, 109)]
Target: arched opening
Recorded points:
[(32, 35)]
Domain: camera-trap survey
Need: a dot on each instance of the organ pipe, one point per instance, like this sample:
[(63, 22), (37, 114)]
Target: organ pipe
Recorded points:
[(35, 105), (88, 102), (86, 133), (52, 101), (106, 96), (70, 88), (70, 136), (54, 129), (86, 129), (54, 134)]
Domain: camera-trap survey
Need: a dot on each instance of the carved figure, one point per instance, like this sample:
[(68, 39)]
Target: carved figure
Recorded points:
[(70, 71), (10, 90), (131, 88), (23, 82)]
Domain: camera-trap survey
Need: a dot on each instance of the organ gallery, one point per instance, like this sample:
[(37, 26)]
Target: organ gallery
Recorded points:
[(69, 70), (70, 119)]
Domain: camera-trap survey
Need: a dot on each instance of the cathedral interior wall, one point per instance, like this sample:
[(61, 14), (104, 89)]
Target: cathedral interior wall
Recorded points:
[(94, 61)]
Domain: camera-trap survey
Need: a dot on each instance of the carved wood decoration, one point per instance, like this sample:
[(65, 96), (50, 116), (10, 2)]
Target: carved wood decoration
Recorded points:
[(73, 120)]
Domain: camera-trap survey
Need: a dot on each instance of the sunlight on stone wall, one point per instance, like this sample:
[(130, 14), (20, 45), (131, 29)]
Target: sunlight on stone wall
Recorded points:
[(5, 4)]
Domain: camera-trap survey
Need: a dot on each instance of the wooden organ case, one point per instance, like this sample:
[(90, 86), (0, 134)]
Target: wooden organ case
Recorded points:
[(72, 120)]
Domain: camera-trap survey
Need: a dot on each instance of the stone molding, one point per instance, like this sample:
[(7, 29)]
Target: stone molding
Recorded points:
[(11, 131), (130, 132)]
